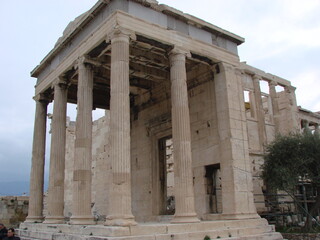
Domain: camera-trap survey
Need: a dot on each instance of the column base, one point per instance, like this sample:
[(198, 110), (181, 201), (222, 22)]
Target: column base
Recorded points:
[(54, 220), (187, 218), (234, 216), (82, 220), (123, 221), (34, 219)]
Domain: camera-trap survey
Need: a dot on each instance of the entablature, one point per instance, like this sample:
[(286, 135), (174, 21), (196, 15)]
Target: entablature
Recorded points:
[(147, 10), (148, 52)]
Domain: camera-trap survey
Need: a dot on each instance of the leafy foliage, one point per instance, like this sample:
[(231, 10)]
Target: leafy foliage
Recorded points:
[(292, 158)]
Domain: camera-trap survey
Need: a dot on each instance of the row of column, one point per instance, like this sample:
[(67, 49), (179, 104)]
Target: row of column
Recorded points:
[(120, 194), (260, 114)]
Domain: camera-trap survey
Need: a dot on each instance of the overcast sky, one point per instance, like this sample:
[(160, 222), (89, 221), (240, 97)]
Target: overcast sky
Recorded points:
[(282, 38)]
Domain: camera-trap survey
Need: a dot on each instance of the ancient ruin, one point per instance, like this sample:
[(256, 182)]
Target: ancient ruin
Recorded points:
[(170, 82)]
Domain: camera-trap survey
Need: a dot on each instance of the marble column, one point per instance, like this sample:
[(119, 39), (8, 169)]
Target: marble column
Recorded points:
[(236, 176), (119, 212), (181, 136), (275, 106), (292, 124), (81, 195), (260, 112), (38, 159), (57, 155)]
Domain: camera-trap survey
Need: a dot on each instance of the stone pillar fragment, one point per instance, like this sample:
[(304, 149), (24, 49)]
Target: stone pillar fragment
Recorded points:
[(181, 135), (236, 176), (81, 204), (291, 111), (38, 160), (260, 112), (57, 155), (120, 213), (275, 106)]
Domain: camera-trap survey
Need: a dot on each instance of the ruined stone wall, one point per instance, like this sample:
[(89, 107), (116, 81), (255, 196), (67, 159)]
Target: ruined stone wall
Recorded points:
[(13, 210), (100, 131), (270, 112)]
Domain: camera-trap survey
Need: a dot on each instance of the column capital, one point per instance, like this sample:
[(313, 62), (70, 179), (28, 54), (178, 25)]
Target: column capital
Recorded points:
[(85, 62), (41, 97), (61, 82), (290, 89), (80, 62), (273, 83), (256, 77), (120, 32), (179, 51)]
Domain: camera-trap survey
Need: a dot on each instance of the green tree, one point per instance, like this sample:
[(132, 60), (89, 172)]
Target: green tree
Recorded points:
[(291, 159)]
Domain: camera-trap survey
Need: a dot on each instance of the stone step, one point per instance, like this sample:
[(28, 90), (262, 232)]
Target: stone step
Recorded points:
[(186, 236), (233, 233), (229, 229), (150, 228)]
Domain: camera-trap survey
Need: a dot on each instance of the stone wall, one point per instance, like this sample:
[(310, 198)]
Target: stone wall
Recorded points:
[(100, 130), (13, 210)]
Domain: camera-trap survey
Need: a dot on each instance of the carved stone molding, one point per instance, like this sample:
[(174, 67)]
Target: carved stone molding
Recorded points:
[(119, 32)]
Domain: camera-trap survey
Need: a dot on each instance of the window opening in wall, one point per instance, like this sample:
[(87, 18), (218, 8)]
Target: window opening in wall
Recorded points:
[(264, 86), (266, 105), (213, 188), (248, 104), (166, 168), (266, 101), (279, 88)]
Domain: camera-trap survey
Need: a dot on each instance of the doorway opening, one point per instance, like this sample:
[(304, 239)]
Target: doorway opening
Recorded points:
[(166, 176), (213, 187)]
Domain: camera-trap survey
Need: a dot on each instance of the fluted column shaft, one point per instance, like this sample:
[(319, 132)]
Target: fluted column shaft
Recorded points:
[(260, 112), (81, 204), (274, 102), (120, 212), (181, 135), (57, 156), (38, 160)]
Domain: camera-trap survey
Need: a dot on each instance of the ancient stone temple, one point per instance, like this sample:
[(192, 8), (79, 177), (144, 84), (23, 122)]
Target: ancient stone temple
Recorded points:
[(185, 122)]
